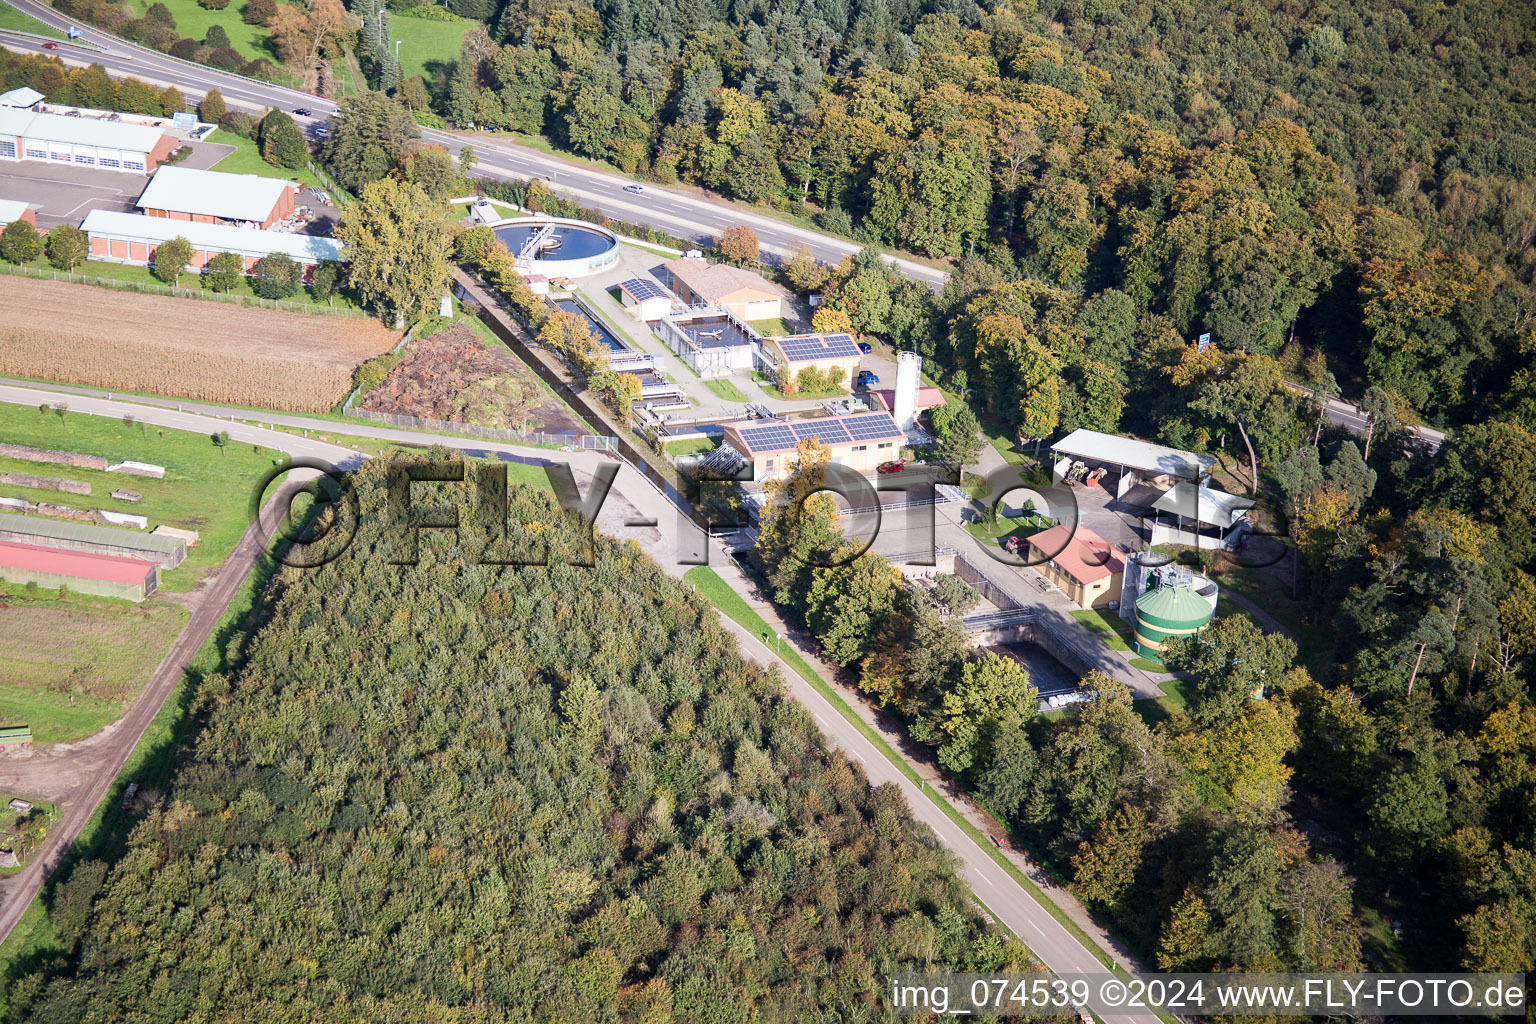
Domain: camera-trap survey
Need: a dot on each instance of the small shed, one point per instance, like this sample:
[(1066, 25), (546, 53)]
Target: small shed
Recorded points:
[(645, 300), (20, 806)]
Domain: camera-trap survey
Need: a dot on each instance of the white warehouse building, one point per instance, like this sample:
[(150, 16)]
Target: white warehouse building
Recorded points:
[(83, 141)]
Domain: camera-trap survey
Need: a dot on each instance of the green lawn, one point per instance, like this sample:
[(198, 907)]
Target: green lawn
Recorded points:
[(246, 159), (1148, 665), (16, 21), (425, 45), (726, 390), (1177, 695), (1101, 620), (193, 21), (773, 328), (206, 488), (695, 446), (73, 666), (1021, 527)]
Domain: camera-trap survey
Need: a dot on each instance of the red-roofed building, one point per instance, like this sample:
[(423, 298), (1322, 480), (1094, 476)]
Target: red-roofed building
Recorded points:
[(1084, 565), (106, 575)]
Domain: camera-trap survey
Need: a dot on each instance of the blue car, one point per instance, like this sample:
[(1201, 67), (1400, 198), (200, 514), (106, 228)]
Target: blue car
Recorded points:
[(866, 347), (868, 377)]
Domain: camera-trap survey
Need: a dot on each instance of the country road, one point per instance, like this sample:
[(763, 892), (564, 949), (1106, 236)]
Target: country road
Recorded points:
[(634, 497)]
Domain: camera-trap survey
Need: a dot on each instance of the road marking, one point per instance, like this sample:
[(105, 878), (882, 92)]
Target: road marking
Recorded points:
[(1037, 928)]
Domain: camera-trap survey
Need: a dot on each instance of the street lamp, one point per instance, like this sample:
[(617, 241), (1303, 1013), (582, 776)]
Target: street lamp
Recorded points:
[(397, 51)]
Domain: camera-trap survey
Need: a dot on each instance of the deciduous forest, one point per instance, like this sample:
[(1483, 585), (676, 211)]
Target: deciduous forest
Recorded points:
[(486, 792)]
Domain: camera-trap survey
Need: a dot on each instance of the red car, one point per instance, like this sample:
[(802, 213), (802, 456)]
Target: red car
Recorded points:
[(50, 46), (892, 467)]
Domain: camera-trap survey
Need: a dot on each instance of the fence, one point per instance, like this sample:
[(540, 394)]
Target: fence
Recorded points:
[(587, 442), (990, 589), (183, 293)]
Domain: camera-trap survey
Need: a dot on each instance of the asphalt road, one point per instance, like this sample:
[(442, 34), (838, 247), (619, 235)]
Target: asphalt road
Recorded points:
[(1057, 948), (685, 214)]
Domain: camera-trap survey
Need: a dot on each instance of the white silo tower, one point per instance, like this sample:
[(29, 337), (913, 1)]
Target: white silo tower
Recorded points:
[(909, 375)]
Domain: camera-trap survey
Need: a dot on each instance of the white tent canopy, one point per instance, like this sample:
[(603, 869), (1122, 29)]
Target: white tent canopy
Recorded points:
[(1203, 505)]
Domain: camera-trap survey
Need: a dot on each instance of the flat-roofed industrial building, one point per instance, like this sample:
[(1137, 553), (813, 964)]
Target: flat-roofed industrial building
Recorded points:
[(83, 141), (132, 579), (134, 238), (213, 197), (166, 551)]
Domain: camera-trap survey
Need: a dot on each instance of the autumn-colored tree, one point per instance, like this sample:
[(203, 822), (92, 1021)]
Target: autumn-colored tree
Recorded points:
[(1104, 869), (827, 320), (739, 244), (1182, 944), (300, 35), (798, 523)]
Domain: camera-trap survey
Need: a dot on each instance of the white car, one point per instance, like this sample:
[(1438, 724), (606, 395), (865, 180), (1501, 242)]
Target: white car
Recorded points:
[(633, 189)]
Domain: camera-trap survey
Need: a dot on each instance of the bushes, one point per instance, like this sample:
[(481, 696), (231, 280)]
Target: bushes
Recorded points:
[(276, 276), (67, 247), (258, 12), (372, 373), (225, 58), (224, 271), (185, 49), (259, 68), (238, 122), (171, 258), (282, 144), (429, 12), (212, 108), (216, 37), (20, 242), (473, 245), (213, 5)]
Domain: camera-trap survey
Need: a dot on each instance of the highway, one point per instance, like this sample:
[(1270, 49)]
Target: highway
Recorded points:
[(683, 213)]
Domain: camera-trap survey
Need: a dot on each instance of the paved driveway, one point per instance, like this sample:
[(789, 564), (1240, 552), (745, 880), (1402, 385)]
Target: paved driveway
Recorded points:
[(67, 192)]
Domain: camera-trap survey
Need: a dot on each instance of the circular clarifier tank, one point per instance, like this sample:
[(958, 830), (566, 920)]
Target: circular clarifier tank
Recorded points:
[(557, 246)]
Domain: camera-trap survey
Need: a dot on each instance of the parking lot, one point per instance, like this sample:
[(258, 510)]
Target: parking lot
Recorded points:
[(68, 192)]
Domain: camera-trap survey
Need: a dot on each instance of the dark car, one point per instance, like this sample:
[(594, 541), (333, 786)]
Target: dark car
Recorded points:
[(868, 377), (301, 111), (866, 347)]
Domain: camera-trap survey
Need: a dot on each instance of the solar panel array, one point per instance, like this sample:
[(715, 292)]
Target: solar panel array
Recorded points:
[(802, 347), (641, 290), (874, 426)]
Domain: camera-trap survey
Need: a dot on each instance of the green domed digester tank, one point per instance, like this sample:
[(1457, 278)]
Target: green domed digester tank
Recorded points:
[(1171, 609)]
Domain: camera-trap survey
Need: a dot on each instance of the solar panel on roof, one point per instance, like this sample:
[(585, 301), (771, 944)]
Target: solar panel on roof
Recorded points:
[(641, 290), (802, 347), (825, 431), (769, 438), (876, 425)]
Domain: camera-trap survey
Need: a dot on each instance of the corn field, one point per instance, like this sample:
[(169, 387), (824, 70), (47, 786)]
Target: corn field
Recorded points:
[(233, 355)]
